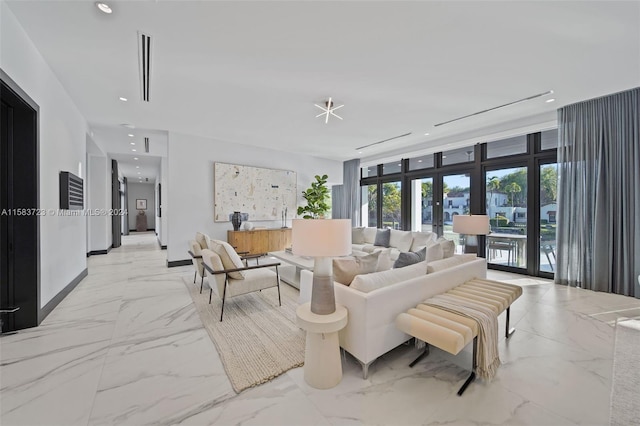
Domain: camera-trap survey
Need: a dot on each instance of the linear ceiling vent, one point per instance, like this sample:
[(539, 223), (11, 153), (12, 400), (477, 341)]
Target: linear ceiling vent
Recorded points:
[(146, 144), (548, 92), (144, 62), (386, 140)]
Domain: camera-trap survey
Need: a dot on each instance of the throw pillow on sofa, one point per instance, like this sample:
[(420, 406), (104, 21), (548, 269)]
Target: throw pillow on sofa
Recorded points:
[(448, 246), (383, 237), (357, 236), (410, 257), (346, 268), (401, 240), (370, 282)]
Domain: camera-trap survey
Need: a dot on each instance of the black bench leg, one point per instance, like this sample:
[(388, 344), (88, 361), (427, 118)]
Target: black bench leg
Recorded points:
[(422, 355), (472, 376), (508, 331)]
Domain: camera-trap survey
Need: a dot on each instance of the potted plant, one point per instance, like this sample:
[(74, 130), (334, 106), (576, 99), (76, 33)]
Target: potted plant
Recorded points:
[(316, 196)]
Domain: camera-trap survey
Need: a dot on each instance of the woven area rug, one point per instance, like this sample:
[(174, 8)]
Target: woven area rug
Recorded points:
[(257, 339), (625, 402)]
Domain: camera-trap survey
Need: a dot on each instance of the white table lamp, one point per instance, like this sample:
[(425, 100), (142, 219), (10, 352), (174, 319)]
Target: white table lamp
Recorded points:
[(322, 239), (471, 225)]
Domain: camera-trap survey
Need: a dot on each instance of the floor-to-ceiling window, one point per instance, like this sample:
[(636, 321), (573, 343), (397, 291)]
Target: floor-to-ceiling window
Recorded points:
[(506, 206), (512, 180)]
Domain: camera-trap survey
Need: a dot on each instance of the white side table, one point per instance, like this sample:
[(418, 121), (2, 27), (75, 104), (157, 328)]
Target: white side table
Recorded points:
[(322, 364)]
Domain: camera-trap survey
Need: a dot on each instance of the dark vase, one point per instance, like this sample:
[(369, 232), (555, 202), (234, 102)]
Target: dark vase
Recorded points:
[(236, 220)]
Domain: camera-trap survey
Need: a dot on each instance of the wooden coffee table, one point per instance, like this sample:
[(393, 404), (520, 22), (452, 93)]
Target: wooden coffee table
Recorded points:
[(290, 269)]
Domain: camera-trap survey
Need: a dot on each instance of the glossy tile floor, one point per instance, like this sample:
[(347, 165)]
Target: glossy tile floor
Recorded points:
[(126, 347)]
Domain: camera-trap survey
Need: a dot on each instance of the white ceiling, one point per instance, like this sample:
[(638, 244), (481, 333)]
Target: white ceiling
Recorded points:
[(250, 72)]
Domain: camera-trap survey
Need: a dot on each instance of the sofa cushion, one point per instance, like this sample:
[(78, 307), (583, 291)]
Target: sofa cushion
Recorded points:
[(383, 237), (384, 260), (370, 235), (448, 246), (401, 240), (422, 239), (434, 252), (346, 268), (229, 258), (357, 236), (370, 282), (449, 262), (410, 257)]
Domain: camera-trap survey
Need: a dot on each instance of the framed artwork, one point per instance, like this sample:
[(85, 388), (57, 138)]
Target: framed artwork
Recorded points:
[(141, 204)]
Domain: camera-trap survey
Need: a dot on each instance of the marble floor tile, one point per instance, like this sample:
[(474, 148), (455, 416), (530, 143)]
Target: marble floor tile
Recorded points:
[(127, 347)]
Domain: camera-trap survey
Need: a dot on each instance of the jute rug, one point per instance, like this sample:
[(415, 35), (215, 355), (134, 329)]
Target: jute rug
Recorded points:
[(625, 402), (257, 339)]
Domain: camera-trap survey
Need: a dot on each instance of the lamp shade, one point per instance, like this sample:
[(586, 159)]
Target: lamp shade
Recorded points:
[(474, 224), (321, 237)]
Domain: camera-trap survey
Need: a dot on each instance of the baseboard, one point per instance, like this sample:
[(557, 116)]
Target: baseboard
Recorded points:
[(160, 244), (173, 263), (46, 310), (96, 252)]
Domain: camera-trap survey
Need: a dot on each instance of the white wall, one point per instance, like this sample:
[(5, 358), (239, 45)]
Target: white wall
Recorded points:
[(145, 191), (62, 147), (190, 184), (99, 188)]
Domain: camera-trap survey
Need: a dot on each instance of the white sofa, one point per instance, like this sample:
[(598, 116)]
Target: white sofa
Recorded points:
[(363, 241), (371, 330)]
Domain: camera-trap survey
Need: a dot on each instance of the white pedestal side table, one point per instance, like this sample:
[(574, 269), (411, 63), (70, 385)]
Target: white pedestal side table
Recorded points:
[(322, 364)]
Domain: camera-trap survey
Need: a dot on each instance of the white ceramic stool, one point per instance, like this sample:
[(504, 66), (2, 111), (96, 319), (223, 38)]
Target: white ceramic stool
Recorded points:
[(322, 364)]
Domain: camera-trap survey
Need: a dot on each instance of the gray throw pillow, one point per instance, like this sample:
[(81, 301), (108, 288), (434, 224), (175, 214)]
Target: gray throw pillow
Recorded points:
[(383, 236), (407, 258)]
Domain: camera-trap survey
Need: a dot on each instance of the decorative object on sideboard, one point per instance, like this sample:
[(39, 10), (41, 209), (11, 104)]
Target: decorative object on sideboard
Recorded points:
[(316, 196), (322, 239), (248, 226), (471, 225), (71, 192), (284, 217), (236, 220)]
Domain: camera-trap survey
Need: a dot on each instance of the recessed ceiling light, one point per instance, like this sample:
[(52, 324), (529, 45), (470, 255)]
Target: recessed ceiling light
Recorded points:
[(138, 172), (123, 99), (131, 135), (399, 165), (550, 100), (426, 134), (444, 156), (104, 7), (419, 161), (133, 143), (133, 150), (359, 152), (135, 158)]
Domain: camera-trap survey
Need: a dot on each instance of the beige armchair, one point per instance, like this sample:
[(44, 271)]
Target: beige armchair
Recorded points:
[(195, 251), (228, 276)]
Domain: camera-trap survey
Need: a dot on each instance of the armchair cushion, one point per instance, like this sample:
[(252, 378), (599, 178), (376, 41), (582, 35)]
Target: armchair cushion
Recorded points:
[(201, 239), (212, 260), (229, 258)]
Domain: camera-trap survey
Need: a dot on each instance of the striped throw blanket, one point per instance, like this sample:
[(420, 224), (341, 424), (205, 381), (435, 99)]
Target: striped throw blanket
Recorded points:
[(487, 356)]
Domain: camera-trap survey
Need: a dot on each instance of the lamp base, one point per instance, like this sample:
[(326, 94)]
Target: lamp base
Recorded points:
[(471, 244), (323, 298)]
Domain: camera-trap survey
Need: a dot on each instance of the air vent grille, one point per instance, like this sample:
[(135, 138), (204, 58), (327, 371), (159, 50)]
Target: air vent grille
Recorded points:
[(71, 191), (146, 144), (144, 61)]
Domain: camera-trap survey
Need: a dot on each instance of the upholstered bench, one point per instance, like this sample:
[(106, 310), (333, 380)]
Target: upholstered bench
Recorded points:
[(451, 331)]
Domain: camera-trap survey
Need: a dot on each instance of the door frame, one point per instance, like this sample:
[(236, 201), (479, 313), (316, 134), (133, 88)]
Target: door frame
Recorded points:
[(24, 182)]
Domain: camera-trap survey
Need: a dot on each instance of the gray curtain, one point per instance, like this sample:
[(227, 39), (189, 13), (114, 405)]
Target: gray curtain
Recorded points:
[(338, 208), (351, 179), (598, 238)]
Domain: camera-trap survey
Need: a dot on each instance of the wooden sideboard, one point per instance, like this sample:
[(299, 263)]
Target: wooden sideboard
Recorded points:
[(260, 241)]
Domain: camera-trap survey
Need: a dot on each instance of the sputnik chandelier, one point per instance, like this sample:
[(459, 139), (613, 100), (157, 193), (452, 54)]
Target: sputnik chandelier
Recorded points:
[(328, 110)]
